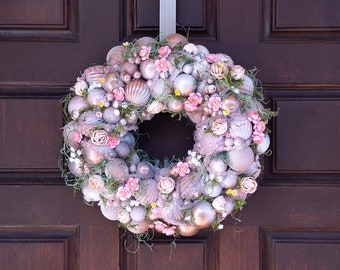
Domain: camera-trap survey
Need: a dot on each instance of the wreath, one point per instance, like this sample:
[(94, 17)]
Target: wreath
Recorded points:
[(139, 80)]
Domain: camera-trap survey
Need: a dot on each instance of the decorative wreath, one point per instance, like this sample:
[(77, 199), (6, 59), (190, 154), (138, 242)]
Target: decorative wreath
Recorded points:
[(147, 77)]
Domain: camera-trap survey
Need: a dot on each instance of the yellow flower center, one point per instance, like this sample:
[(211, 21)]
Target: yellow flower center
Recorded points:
[(226, 112), (102, 79), (232, 192), (153, 204), (177, 92), (125, 44), (101, 104)]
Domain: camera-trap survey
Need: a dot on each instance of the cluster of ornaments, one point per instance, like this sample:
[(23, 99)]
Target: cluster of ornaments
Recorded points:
[(139, 80)]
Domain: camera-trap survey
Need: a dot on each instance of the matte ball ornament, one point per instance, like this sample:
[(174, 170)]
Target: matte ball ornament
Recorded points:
[(203, 214), (123, 150), (138, 227), (110, 116), (138, 213), (76, 105), (247, 86), (117, 169), (241, 160), (96, 96)]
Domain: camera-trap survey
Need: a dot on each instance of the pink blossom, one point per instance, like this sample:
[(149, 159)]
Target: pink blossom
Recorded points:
[(99, 114), (164, 52), (144, 52), (169, 231), (77, 136), (132, 184), (195, 98), (189, 107), (162, 65), (160, 226), (112, 141), (123, 193), (119, 93), (211, 58), (214, 103), (258, 137), (182, 168), (164, 228), (254, 117), (260, 127)]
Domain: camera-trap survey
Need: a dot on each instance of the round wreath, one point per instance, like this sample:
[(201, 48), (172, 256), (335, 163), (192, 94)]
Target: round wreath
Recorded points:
[(139, 80)]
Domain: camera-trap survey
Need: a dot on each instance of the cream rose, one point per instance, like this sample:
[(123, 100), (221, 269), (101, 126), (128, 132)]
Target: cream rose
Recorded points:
[(219, 70), (80, 87), (166, 185), (99, 137), (96, 182), (248, 185), (237, 72), (219, 127)]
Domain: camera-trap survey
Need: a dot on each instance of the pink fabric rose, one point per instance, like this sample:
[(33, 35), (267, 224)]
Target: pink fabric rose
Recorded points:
[(189, 107), (164, 228), (258, 137), (119, 93), (182, 168), (166, 185), (123, 193), (254, 117), (144, 52), (77, 136), (162, 65), (260, 127), (96, 182), (112, 141), (214, 103), (195, 98), (132, 184), (237, 72), (164, 52), (211, 58), (248, 185)]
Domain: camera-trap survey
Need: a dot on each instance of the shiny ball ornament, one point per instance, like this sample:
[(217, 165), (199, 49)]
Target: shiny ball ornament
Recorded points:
[(185, 83), (111, 81), (175, 105), (92, 157), (203, 215), (148, 69), (187, 229), (123, 150)]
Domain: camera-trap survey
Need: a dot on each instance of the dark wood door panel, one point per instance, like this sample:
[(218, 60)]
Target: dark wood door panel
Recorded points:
[(294, 211)]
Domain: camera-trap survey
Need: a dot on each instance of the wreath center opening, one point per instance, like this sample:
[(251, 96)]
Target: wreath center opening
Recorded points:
[(166, 137)]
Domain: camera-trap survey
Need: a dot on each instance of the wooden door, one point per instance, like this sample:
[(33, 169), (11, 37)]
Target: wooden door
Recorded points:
[(291, 222)]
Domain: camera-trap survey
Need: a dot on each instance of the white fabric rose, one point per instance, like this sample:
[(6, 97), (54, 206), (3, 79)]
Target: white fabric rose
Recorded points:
[(166, 185), (219, 127), (248, 185), (237, 72)]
